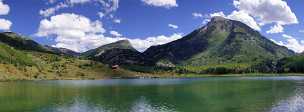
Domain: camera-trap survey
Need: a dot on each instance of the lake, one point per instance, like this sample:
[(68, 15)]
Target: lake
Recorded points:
[(223, 94)]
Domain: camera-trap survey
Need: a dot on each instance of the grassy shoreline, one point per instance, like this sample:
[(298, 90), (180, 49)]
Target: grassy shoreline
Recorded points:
[(167, 76)]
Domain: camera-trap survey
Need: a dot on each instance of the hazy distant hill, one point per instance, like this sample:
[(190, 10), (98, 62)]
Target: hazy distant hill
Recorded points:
[(62, 51), (120, 53)]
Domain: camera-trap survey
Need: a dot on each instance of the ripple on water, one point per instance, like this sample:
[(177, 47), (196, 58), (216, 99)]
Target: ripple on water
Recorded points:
[(79, 105), (142, 105), (294, 103)]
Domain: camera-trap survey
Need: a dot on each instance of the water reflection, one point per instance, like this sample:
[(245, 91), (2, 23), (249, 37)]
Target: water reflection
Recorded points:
[(270, 94), (81, 105), (77, 105), (294, 103), (142, 105)]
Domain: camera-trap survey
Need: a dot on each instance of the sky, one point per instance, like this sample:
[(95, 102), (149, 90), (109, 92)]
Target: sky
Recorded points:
[(81, 25)]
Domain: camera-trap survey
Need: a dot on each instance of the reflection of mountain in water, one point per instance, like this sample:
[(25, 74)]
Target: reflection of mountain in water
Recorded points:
[(271, 94), (294, 103), (81, 105), (142, 105), (77, 105)]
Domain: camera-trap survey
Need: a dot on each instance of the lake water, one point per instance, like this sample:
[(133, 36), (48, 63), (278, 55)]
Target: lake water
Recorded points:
[(258, 94)]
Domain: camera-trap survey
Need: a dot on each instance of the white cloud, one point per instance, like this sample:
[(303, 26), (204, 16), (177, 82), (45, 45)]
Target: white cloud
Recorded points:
[(268, 11), (218, 14), (78, 1), (292, 43), (109, 5), (161, 3), (80, 34), (256, 13), (4, 8), (5, 24), (117, 21), (197, 15), (51, 11), (100, 14), (115, 34), (143, 44), (72, 31), (239, 16), (245, 18), (301, 31), (276, 29), (173, 26), (106, 6)]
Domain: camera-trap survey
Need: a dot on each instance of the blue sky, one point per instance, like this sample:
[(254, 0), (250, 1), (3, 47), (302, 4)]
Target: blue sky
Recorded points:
[(78, 24)]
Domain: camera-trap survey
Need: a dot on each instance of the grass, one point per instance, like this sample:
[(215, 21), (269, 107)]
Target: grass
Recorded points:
[(46, 66)]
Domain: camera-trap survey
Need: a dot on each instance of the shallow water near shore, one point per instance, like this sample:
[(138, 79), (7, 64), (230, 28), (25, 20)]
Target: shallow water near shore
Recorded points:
[(214, 94)]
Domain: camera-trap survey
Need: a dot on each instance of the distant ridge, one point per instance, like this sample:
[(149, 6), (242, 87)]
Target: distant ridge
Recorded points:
[(117, 53), (21, 42), (62, 51)]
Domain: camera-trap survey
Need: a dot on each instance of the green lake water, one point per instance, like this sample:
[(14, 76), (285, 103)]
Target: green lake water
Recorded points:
[(231, 94)]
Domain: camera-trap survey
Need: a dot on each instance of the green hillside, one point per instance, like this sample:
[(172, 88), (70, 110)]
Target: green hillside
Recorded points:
[(23, 63), (293, 64), (221, 41)]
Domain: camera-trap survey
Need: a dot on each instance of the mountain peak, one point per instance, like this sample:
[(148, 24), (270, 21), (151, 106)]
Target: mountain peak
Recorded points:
[(121, 44), (218, 18), (123, 41)]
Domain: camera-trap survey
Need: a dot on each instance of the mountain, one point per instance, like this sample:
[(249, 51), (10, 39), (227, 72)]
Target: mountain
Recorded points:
[(117, 53), (62, 51), (21, 42), (221, 41), (122, 44), (25, 59)]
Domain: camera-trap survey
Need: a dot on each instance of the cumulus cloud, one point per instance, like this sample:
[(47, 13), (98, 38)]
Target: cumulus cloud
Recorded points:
[(5, 24), (161, 3), (79, 33), (172, 26), (143, 44), (276, 29), (292, 43), (245, 18), (239, 16), (72, 31), (4, 8), (256, 13), (268, 11), (115, 34)]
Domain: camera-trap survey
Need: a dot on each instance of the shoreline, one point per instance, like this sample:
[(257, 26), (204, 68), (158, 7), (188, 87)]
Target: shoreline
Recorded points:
[(180, 76)]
